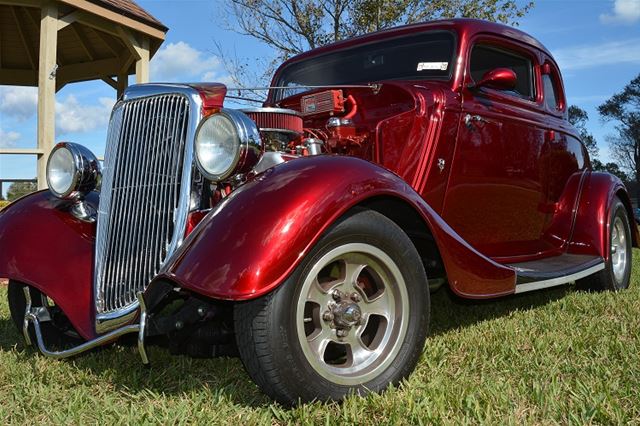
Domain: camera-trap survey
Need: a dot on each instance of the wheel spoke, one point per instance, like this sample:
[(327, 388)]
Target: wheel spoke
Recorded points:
[(358, 352), (381, 306), (320, 293), (352, 272), (318, 342)]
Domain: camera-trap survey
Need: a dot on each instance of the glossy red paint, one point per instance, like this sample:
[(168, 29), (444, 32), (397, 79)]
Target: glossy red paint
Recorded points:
[(590, 235), (509, 183), (258, 235), (46, 247), (212, 95), (499, 78)]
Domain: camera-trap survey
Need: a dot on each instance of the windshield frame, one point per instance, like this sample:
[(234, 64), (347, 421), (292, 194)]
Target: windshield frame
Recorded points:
[(277, 79)]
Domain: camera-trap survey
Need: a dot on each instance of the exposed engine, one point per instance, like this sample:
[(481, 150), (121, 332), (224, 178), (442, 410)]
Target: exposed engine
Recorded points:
[(322, 123)]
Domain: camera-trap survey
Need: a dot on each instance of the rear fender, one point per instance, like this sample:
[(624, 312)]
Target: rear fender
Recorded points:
[(591, 231), (44, 246), (257, 236)]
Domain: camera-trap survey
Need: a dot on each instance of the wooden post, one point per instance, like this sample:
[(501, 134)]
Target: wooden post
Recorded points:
[(47, 87), (123, 83), (142, 64)]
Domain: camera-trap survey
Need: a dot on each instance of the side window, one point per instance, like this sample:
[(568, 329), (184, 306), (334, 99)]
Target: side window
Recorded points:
[(486, 58), (553, 96), (550, 96)]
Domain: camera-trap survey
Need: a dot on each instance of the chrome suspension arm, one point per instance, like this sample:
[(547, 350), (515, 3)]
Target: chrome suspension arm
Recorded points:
[(38, 314)]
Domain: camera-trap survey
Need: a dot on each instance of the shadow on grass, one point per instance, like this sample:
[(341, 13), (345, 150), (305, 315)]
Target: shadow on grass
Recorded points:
[(225, 378), (450, 312), (118, 366)]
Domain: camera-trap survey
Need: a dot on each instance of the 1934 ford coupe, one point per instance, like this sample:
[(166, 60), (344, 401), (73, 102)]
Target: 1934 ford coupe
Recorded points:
[(306, 234)]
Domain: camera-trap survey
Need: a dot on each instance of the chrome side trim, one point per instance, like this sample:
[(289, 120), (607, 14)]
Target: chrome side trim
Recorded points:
[(537, 285), (106, 321), (35, 316)]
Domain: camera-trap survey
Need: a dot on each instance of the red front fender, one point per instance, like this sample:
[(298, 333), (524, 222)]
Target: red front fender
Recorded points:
[(251, 242), (43, 245)]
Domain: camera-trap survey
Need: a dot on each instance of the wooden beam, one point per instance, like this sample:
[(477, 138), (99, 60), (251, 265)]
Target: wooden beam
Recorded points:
[(21, 151), (23, 38), (47, 86), (106, 41), (68, 19), (85, 70), (123, 83), (116, 17), (111, 82), (18, 77), (81, 36), (130, 40), (142, 64), (28, 3)]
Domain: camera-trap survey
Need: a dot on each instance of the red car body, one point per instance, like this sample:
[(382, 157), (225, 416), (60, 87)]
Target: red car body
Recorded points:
[(494, 179)]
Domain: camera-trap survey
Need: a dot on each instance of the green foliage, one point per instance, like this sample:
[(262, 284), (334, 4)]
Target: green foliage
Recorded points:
[(623, 109), (291, 27), (579, 118), (612, 168), (554, 356), (20, 189), (4, 203)]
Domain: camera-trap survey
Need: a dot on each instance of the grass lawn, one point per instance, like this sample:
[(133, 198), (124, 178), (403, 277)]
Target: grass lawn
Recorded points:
[(555, 356)]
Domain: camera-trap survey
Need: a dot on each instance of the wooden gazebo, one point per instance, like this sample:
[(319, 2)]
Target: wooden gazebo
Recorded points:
[(51, 43)]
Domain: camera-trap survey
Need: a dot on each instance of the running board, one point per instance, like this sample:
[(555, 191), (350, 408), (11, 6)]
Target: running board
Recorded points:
[(35, 315), (555, 271)]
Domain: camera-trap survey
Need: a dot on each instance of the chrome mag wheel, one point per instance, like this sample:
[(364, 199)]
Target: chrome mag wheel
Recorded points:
[(352, 313), (343, 322), (619, 255)]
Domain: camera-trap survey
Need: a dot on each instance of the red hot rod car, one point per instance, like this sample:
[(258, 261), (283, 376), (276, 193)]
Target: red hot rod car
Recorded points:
[(305, 234)]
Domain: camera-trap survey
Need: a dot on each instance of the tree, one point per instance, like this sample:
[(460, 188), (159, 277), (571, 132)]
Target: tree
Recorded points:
[(20, 189), (579, 117), (291, 27), (623, 108), (612, 168)]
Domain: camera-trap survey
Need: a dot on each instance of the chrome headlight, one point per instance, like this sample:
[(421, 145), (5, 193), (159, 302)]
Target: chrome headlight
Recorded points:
[(226, 143), (72, 171)]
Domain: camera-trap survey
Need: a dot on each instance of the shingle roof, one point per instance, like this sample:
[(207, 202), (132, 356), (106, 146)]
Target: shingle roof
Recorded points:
[(131, 9)]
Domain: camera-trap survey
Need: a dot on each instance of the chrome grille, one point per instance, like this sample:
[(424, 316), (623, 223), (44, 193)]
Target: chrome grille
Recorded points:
[(138, 220)]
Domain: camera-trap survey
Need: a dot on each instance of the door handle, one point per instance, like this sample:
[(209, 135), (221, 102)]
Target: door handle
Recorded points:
[(470, 119)]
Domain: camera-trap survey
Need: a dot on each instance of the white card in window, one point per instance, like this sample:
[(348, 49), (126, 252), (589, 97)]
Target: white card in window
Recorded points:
[(439, 66)]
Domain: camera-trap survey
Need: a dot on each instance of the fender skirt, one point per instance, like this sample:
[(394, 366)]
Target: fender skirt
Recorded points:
[(256, 237), (44, 246)]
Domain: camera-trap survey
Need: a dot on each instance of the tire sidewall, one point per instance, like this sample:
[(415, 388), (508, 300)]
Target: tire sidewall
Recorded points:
[(363, 227), (618, 210)]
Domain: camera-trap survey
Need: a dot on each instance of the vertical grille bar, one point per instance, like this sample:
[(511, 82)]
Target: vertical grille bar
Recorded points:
[(140, 196)]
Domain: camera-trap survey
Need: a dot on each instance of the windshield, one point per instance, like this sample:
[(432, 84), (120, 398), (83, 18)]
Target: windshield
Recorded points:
[(417, 56)]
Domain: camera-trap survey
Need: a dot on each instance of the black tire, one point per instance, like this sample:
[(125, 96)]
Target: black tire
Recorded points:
[(57, 333), (268, 337), (606, 279)]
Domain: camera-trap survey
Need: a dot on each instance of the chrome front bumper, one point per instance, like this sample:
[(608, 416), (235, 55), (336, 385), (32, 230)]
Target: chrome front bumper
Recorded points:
[(36, 315)]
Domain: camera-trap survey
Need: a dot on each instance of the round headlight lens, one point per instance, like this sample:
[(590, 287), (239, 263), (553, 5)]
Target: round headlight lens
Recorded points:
[(217, 147), (61, 172), (72, 171)]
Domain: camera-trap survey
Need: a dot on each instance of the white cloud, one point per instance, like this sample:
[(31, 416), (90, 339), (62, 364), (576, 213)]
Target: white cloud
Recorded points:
[(8, 139), (624, 12), (18, 102), (179, 62), (74, 117), (595, 55)]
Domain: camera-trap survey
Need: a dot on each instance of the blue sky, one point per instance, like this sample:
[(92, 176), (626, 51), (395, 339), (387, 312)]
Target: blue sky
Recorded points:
[(596, 42)]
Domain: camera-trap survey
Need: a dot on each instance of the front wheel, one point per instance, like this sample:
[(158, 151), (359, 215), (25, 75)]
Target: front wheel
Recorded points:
[(353, 317)]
